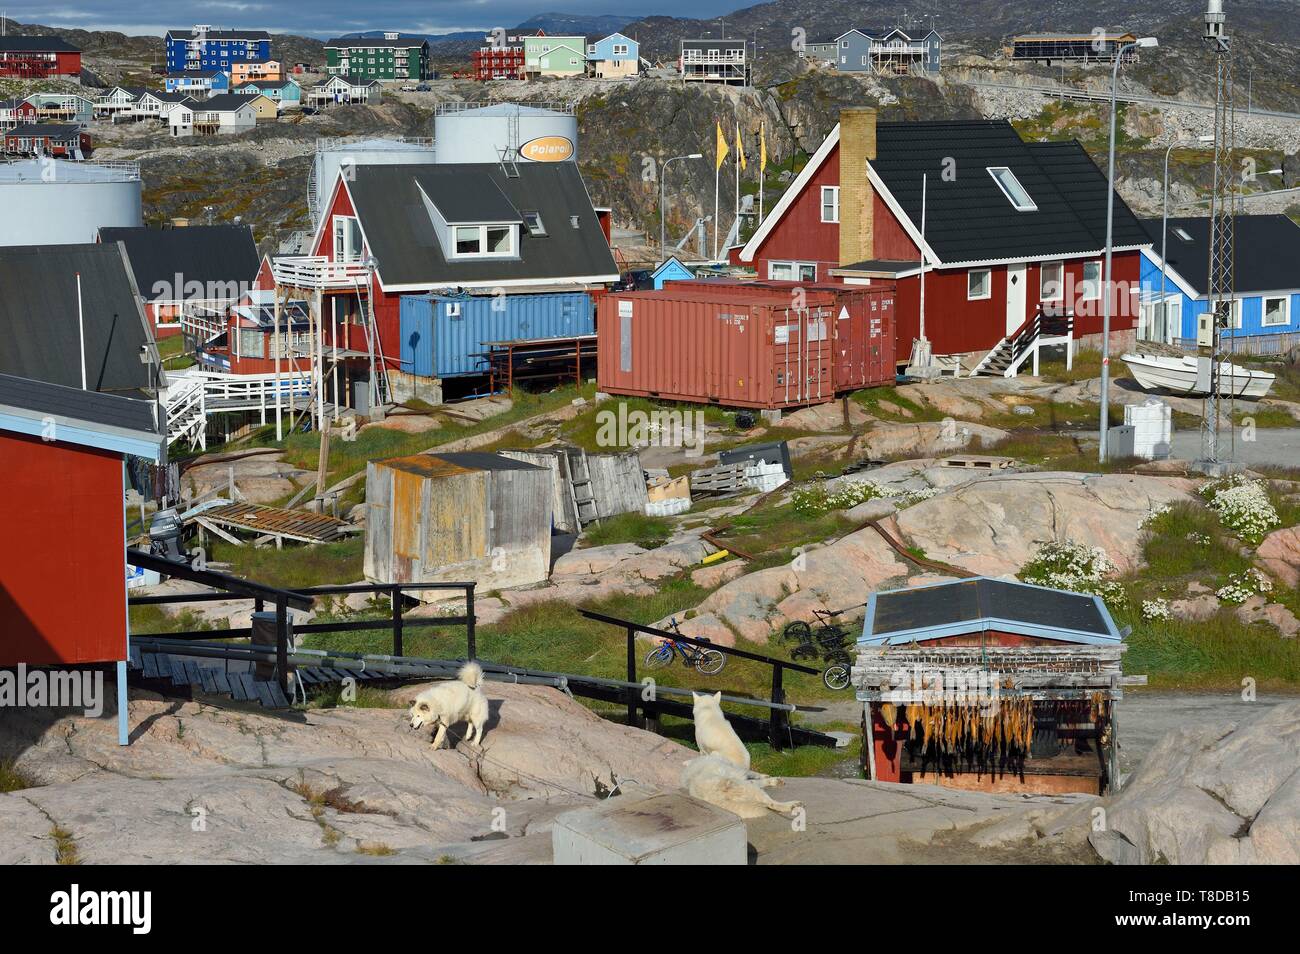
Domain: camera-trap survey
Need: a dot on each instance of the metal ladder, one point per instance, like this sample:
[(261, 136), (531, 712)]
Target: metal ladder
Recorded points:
[(379, 389)]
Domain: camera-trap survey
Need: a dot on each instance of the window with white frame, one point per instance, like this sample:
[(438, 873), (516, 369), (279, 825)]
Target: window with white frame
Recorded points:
[(979, 284), (792, 271), (1277, 311), (830, 203), (1051, 284), (1012, 189), (1090, 286), (483, 240)]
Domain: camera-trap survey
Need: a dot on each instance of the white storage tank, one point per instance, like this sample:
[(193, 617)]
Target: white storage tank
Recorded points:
[(332, 154), (51, 201), (473, 132)]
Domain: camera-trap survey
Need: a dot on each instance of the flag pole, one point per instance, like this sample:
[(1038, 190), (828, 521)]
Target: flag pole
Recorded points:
[(717, 175)]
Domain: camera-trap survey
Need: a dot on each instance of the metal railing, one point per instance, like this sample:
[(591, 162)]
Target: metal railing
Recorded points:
[(565, 107), (318, 271)]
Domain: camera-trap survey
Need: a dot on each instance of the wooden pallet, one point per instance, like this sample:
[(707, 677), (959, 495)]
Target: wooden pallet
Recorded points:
[(725, 479), (273, 523)]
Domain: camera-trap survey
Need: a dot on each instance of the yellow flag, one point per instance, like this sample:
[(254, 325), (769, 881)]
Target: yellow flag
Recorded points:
[(740, 147), (762, 147), (722, 149)]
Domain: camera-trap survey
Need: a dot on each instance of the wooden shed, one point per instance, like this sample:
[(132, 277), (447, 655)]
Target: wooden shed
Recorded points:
[(588, 487), (991, 684), (457, 518)]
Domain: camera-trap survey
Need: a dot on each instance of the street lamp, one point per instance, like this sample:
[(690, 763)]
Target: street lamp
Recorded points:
[(1164, 234), (663, 220), (1144, 43)]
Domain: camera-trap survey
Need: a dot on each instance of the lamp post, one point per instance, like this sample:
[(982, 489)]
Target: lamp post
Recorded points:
[(1164, 234), (663, 221), (1145, 42)]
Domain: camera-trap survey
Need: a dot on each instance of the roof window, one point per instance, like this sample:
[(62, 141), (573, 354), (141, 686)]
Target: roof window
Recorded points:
[(1012, 189)]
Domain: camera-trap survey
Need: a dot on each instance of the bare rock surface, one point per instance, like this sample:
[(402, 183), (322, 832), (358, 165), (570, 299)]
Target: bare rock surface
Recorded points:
[(995, 525), (926, 439), (1279, 555), (259, 479), (201, 783), (1226, 794)]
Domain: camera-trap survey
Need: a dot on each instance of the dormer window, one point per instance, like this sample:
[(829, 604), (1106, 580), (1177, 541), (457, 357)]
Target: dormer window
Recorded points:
[(484, 240), (1012, 189)]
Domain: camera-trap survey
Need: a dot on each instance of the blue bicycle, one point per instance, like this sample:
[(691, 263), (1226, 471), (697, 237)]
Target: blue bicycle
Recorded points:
[(707, 662)]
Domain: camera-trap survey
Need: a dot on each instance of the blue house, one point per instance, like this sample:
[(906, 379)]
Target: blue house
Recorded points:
[(1266, 307), (204, 48), (285, 92), (199, 83), (671, 271), (614, 57), (881, 51)]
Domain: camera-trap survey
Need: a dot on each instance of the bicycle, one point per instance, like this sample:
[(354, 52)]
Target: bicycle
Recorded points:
[(707, 662), (827, 642)]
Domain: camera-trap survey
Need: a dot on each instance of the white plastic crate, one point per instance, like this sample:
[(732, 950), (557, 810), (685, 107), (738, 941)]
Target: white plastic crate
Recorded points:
[(1152, 423)]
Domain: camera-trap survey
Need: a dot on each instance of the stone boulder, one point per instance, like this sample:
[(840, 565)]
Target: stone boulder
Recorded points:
[(1228, 794), (259, 479), (1279, 555), (995, 525), (927, 439)]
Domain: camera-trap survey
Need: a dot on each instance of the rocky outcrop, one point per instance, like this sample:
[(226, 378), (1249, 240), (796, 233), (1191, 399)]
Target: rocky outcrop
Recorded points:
[(1279, 555), (994, 526), (1224, 795)]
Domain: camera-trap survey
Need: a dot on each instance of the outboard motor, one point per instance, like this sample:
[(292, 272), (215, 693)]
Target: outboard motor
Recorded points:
[(165, 531)]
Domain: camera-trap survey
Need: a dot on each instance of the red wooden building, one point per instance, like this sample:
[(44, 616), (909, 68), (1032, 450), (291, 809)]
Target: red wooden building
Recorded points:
[(63, 140), (1010, 228), (492, 63), (991, 684), (38, 57)]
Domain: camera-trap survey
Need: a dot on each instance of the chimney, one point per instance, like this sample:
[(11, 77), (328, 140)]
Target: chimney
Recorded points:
[(857, 147)]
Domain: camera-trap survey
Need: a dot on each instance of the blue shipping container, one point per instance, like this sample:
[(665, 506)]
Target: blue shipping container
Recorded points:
[(444, 336)]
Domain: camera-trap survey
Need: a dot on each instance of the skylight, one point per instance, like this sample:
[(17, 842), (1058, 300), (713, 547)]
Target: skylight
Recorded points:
[(533, 222), (1012, 189), (1182, 233)]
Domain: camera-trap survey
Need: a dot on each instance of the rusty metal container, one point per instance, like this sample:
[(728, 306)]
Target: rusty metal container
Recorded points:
[(757, 350), (863, 339)]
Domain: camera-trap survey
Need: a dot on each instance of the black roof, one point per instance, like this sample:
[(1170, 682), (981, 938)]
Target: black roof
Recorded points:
[(1267, 246), (222, 102), (38, 312), (402, 236), (736, 44), (485, 460), (198, 253), (36, 44), (378, 42), (969, 219), (91, 407), (46, 130), (951, 606)]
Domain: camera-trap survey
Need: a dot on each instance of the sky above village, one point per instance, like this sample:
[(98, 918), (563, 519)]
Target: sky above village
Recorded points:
[(325, 18)]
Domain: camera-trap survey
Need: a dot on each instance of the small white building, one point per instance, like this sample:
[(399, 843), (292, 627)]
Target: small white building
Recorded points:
[(341, 90), (219, 116)]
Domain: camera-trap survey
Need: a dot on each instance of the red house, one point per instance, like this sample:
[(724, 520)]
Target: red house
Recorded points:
[(38, 57), (16, 112), (48, 139), (1009, 229)]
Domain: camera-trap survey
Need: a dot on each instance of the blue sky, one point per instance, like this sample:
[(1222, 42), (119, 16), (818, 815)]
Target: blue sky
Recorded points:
[(325, 18)]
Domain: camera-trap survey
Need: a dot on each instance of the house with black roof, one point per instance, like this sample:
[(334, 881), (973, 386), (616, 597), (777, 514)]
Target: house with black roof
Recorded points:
[(1266, 279), (484, 230), (72, 316), (39, 57), (63, 140), (1007, 229), (189, 276), (715, 61)]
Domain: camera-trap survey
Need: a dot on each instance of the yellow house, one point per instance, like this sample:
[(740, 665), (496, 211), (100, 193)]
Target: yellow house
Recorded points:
[(264, 106), (255, 71)]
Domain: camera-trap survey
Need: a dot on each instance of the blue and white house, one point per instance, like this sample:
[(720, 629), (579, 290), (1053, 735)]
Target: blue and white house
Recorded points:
[(200, 84), (615, 57), (1266, 309), (285, 93), (204, 48), (881, 51)]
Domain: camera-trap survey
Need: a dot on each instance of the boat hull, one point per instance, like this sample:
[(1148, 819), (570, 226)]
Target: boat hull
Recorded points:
[(1178, 376)]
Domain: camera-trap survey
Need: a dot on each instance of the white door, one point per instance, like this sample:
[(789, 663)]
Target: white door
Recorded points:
[(1015, 297)]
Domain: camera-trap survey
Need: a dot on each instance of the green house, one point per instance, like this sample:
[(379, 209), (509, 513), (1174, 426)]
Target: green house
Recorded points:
[(393, 56), (555, 55)]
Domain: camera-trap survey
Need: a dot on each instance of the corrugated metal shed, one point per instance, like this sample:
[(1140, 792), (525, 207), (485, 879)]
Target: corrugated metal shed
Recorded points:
[(456, 518), (445, 335)]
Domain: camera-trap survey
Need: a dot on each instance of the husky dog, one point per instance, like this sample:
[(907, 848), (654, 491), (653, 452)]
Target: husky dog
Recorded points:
[(716, 781), (453, 701), (714, 734)]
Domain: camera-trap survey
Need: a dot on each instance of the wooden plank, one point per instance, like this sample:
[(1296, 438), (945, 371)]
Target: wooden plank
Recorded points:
[(221, 682), (278, 699), (262, 692), (179, 676), (150, 661), (134, 657), (209, 677), (238, 687)]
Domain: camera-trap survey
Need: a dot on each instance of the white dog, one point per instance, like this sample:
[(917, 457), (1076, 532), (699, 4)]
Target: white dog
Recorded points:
[(716, 781), (453, 701), (714, 734)]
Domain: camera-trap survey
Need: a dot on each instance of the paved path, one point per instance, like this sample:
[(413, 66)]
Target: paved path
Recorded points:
[(1272, 445)]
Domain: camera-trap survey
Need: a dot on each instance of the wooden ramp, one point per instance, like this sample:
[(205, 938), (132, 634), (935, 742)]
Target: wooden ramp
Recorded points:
[(273, 523)]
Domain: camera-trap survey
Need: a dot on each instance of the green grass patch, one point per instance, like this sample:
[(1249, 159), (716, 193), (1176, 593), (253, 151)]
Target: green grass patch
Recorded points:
[(12, 779), (1187, 541), (776, 531), (645, 531), (889, 405), (297, 565), (1217, 653)]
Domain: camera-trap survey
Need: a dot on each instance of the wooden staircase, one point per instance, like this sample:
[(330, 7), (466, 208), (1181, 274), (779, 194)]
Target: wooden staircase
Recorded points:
[(1042, 330)]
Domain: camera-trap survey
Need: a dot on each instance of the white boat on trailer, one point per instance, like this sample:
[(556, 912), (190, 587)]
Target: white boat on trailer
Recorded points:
[(1157, 372)]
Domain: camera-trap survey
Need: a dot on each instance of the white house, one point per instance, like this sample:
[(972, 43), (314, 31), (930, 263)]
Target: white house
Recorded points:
[(156, 105), (221, 115), (340, 89)]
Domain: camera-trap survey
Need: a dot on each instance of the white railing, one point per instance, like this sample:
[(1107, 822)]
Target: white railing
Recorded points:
[(193, 396), (317, 271)]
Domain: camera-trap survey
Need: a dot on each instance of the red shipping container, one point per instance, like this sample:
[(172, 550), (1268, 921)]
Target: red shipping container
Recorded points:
[(863, 337), (758, 349)]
